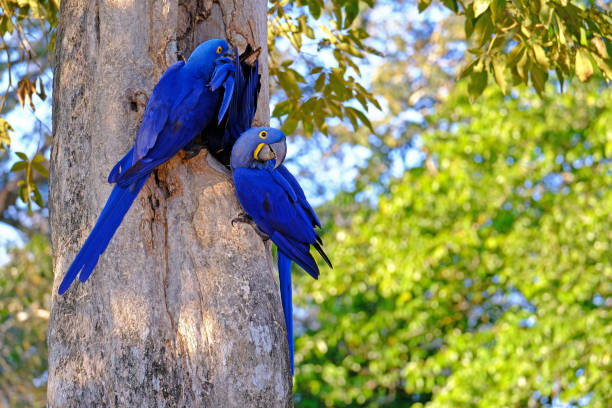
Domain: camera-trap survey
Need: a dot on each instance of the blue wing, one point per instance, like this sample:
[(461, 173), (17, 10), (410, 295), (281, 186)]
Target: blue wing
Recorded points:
[(220, 138), (186, 118), (272, 203), (301, 197), (157, 111), (221, 76)]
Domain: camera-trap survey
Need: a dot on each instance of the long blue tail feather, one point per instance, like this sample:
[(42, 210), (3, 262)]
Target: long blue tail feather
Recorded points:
[(284, 277), (228, 93), (114, 211), (299, 252)]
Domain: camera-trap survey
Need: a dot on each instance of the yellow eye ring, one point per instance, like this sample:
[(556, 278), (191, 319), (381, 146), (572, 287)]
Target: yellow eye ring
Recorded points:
[(219, 50), (263, 134)]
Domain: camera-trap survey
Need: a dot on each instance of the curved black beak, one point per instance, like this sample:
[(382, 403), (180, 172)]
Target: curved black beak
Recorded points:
[(280, 151)]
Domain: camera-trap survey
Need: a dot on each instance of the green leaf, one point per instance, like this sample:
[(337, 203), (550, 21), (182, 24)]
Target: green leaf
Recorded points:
[(352, 11), (604, 66), (477, 84), (38, 198), (451, 4), (483, 29), (38, 158), (314, 9), (499, 73), (540, 56), (289, 125), (42, 170), (480, 6), (320, 82), (19, 166), (364, 119), (498, 9), (584, 67), (22, 156), (423, 4), (538, 78), (282, 108)]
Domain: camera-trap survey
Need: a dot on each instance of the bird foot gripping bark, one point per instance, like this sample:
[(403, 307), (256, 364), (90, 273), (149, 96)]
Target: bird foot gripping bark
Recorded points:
[(246, 219)]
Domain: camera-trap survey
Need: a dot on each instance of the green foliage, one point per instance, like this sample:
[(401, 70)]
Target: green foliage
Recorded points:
[(528, 39), (26, 32), (321, 91), (482, 280), (28, 190), (25, 288)]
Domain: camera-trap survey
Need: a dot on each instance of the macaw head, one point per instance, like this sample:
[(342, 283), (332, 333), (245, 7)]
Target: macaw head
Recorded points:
[(259, 147), (202, 60)]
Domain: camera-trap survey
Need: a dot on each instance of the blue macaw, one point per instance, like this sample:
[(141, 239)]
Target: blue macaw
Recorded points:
[(274, 200), (220, 138), (184, 102)]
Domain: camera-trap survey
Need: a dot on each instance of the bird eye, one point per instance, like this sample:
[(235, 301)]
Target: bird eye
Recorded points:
[(263, 134), (219, 50)]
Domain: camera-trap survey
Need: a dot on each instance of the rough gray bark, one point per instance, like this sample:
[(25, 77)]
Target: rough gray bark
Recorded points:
[(182, 309)]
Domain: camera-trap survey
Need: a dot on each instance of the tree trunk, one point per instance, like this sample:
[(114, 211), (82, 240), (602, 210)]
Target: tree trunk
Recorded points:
[(183, 308)]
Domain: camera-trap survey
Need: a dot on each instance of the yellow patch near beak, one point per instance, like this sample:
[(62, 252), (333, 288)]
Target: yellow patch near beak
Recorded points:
[(257, 150)]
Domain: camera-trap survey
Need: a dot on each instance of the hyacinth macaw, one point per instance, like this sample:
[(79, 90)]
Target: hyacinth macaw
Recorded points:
[(219, 138), (182, 105), (274, 200)]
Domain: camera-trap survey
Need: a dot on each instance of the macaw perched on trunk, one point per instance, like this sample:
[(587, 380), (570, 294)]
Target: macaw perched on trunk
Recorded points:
[(274, 200), (182, 105), (219, 138)]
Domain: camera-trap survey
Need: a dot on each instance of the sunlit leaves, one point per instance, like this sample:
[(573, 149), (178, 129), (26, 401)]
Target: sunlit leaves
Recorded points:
[(584, 68), (480, 6), (529, 38), (312, 91), (26, 28)]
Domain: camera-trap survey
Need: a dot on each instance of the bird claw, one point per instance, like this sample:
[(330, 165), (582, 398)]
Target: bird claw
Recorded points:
[(190, 154), (244, 218), (193, 148)]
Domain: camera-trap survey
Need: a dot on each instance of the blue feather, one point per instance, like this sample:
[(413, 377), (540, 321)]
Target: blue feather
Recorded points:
[(284, 277), (180, 107), (223, 68), (219, 138), (274, 199), (228, 93), (109, 220), (301, 197)]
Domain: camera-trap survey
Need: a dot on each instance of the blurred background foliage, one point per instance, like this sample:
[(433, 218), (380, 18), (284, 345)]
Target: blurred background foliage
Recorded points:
[(459, 153)]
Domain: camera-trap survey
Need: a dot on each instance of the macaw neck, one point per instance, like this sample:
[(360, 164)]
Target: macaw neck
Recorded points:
[(198, 69), (262, 165)]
